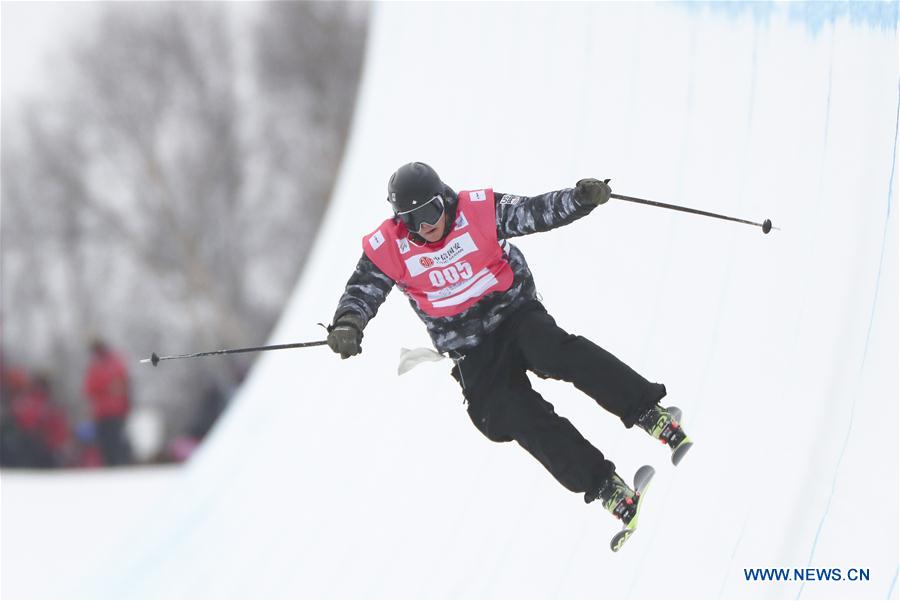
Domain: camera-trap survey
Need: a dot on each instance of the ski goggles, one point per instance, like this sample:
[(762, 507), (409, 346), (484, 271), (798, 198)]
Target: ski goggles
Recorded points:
[(426, 214)]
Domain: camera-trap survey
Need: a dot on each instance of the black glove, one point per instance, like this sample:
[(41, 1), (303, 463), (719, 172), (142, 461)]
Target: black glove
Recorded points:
[(590, 191), (345, 336)]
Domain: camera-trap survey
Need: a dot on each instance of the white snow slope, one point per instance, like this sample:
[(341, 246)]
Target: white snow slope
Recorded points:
[(339, 479)]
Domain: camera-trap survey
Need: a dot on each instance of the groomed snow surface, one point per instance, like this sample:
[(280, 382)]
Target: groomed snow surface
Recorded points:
[(339, 479)]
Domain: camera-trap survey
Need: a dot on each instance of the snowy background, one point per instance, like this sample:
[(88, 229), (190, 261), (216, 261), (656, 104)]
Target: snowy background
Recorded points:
[(339, 479)]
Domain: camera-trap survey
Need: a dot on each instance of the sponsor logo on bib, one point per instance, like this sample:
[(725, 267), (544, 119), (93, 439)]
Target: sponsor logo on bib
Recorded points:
[(453, 251)]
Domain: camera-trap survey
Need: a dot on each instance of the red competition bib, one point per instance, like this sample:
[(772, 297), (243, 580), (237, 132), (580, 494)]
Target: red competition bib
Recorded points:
[(447, 277)]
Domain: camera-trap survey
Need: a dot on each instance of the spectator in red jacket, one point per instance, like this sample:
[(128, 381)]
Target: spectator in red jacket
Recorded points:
[(106, 385), (29, 411)]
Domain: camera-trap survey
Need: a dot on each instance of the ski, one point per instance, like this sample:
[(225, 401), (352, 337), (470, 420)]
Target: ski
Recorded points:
[(679, 451), (641, 482)]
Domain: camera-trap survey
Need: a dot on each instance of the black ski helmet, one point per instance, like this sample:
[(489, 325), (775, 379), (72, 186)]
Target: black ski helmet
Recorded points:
[(416, 194)]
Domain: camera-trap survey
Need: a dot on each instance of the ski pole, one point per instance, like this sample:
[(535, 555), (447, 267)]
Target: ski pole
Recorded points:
[(765, 225), (155, 359)]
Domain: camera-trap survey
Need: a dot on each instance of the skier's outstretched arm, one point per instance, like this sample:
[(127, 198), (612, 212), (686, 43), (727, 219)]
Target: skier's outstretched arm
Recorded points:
[(366, 289), (521, 215)]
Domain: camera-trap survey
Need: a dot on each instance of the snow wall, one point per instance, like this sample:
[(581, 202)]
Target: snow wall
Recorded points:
[(340, 479)]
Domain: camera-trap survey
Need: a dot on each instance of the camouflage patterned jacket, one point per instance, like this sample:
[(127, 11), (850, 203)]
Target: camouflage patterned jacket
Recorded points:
[(368, 287)]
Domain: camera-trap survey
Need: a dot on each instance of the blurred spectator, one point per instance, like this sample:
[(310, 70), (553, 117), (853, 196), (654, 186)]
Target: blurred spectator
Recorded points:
[(35, 428), (28, 411), (106, 385)]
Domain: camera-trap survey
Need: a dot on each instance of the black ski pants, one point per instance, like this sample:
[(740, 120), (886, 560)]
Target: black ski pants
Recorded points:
[(504, 407)]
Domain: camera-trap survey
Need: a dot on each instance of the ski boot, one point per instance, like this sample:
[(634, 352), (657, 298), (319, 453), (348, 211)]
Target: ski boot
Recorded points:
[(664, 424), (623, 502)]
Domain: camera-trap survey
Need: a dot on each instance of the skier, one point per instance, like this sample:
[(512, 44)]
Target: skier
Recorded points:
[(449, 254)]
